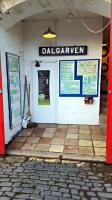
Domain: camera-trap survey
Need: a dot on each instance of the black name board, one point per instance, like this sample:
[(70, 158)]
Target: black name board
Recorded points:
[(63, 51)]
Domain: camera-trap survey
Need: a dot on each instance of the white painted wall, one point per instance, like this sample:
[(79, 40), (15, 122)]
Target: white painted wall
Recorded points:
[(69, 109), (10, 41), (24, 41)]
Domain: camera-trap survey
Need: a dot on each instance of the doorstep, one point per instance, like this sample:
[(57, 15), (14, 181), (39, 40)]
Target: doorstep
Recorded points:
[(52, 155)]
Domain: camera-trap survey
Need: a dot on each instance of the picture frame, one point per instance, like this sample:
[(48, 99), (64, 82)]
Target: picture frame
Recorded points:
[(14, 90)]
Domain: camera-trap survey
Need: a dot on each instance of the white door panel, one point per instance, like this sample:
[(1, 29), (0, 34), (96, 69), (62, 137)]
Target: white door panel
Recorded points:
[(44, 113)]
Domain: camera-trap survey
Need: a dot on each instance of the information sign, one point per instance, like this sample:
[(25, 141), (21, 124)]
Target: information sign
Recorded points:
[(79, 77), (13, 83)]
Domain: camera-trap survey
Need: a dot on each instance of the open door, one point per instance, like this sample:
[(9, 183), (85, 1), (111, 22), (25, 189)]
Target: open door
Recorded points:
[(2, 142)]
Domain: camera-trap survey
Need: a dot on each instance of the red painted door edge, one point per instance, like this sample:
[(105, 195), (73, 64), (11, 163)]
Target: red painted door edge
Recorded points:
[(109, 104), (2, 139)]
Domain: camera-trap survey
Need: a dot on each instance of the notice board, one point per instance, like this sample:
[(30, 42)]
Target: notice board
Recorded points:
[(13, 82), (79, 78)]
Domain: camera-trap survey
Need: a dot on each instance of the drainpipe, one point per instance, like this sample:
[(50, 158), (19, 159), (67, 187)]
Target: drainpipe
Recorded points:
[(109, 104)]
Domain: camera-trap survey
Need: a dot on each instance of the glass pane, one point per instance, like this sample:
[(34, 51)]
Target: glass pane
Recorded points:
[(43, 87)]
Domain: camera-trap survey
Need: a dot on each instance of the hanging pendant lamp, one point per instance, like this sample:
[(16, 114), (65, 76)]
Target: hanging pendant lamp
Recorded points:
[(49, 34)]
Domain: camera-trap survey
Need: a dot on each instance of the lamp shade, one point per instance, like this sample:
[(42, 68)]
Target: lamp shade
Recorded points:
[(49, 34)]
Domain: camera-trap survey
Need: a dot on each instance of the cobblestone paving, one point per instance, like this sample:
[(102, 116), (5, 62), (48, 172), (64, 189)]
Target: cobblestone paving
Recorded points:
[(32, 178)]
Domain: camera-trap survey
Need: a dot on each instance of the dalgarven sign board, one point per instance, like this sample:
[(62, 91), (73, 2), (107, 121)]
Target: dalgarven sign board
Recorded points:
[(63, 51)]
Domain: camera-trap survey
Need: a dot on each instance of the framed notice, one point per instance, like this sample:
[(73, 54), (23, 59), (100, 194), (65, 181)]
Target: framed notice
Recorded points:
[(14, 96), (79, 78)]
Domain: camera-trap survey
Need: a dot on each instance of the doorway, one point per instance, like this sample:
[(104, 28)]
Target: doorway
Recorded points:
[(104, 88), (44, 93)]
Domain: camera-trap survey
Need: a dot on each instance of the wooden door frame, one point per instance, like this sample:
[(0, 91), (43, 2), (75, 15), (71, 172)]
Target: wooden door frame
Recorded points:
[(2, 134), (109, 104)]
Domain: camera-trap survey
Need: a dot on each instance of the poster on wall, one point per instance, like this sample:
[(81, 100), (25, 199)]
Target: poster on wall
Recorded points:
[(43, 87), (14, 96), (88, 69), (79, 78), (67, 83)]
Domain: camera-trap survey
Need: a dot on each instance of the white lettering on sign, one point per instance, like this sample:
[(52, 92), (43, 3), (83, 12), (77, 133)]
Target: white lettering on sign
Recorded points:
[(82, 50), (63, 50), (52, 51), (67, 50), (76, 50), (43, 50), (72, 50), (58, 50), (48, 51)]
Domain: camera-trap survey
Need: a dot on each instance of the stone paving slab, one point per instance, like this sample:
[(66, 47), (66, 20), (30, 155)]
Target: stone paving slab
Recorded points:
[(47, 139), (34, 178)]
